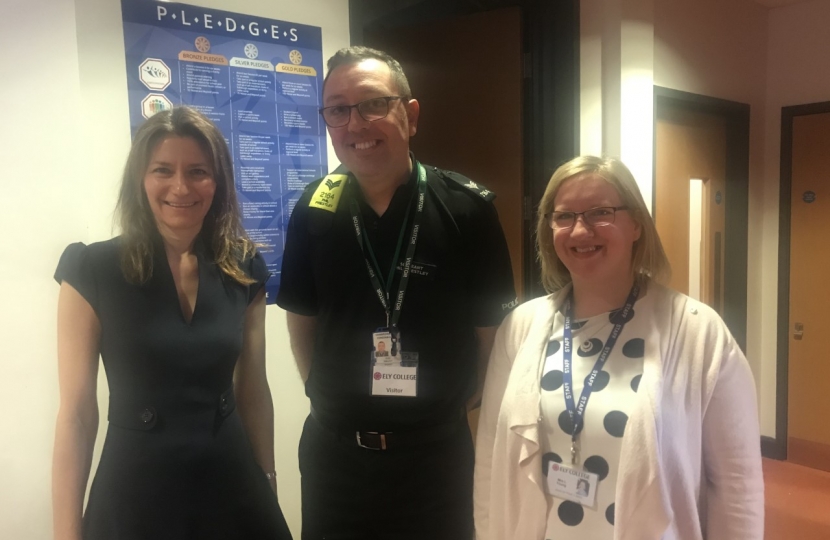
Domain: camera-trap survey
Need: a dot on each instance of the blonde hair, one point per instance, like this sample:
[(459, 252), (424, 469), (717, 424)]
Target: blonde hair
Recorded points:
[(222, 231), (648, 260)]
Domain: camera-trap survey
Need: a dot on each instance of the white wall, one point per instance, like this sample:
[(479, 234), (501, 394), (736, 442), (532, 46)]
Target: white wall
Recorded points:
[(63, 142), (40, 211), (797, 74), (616, 81)]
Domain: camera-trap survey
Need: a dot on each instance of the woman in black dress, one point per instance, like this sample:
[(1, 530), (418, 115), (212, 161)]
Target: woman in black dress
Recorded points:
[(175, 307)]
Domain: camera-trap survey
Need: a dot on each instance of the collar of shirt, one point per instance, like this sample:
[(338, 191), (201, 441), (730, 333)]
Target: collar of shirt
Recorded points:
[(398, 203)]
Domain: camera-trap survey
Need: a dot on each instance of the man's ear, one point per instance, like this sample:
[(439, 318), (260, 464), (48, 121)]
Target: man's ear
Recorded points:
[(413, 110)]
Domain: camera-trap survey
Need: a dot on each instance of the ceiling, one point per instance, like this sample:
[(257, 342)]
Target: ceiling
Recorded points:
[(779, 3)]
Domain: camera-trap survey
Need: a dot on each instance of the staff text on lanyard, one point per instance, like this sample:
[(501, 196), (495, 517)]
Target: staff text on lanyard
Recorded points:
[(577, 411)]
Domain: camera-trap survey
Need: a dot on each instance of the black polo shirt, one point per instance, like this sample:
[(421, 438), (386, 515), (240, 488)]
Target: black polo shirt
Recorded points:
[(461, 278)]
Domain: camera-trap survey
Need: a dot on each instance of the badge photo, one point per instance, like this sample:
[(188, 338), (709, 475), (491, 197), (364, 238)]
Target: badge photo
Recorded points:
[(383, 348)]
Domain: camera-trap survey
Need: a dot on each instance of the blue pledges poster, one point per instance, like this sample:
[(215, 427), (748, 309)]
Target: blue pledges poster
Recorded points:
[(258, 79)]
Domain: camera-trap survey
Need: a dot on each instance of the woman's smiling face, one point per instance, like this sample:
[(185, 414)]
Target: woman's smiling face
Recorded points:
[(594, 254), (179, 185)]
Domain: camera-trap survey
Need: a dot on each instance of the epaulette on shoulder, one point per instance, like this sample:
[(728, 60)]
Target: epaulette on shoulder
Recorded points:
[(459, 180), (327, 190)]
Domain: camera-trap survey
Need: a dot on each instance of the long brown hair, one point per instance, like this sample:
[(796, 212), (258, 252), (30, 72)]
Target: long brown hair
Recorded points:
[(222, 231)]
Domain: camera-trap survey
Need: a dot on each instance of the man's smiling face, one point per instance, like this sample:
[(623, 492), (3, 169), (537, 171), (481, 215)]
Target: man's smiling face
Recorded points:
[(370, 149)]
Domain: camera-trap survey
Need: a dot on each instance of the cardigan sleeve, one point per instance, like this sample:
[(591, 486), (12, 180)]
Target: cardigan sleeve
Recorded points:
[(732, 453), (498, 372)]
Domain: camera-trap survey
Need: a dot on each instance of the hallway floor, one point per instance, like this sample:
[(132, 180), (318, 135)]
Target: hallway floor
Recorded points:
[(798, 502)]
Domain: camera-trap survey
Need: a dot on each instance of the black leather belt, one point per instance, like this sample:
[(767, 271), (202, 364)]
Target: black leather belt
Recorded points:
[(390, 440)]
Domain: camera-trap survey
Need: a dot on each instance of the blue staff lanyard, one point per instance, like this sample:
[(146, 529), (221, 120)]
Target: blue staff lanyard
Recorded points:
[(577, 411)]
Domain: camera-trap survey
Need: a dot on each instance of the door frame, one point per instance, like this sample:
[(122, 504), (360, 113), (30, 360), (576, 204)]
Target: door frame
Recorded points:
[(550, 35), (777, 447), (736, 227)]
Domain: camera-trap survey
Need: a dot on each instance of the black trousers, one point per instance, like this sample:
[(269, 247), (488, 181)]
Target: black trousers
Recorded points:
[(422, 492)]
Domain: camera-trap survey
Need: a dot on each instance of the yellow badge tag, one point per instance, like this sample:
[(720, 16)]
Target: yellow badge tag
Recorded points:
[(328, 192)]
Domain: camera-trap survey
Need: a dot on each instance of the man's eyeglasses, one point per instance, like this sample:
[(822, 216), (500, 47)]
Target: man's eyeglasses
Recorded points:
[(371, 110), (595, 217)]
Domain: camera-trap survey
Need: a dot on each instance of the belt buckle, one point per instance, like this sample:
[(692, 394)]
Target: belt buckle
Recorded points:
[(382, 440)]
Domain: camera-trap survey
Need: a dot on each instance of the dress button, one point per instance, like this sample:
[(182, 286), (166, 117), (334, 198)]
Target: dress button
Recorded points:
[(147, 416)]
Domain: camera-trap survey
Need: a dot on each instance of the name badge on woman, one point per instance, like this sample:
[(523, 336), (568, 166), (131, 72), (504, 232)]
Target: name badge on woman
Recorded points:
[(572, 484)]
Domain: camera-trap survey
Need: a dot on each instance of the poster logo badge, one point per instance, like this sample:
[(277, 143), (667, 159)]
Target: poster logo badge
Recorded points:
[(296, 57), (154, 74), (251, 51), (154, 103), (202, 44)]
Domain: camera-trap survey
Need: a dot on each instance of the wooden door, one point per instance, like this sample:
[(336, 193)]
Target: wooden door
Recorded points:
[(809, 352), (692, 146)]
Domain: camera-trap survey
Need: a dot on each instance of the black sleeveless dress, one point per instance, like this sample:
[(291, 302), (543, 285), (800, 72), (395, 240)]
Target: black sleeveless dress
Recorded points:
[(177, 463)]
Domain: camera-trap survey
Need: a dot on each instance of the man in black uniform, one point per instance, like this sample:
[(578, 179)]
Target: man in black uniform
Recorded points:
[(386, 249)]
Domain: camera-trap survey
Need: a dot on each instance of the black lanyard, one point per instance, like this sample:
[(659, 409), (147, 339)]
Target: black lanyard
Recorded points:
[(393, 311), (577, 411)]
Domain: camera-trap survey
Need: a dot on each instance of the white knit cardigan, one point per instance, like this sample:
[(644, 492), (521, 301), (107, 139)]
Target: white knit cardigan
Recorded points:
[(690, 463)]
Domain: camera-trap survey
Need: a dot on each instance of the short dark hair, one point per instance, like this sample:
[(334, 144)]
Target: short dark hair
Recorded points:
[(354, 55)]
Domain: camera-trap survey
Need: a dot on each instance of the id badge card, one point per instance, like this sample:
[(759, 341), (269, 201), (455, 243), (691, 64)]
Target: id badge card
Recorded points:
[(393, 375), (572, 484)]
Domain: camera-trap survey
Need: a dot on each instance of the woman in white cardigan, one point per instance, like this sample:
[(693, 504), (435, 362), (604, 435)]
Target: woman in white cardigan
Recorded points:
[(614, 408)]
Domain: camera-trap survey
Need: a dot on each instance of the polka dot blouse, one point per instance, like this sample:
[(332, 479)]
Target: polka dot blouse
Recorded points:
[(600, 439)]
